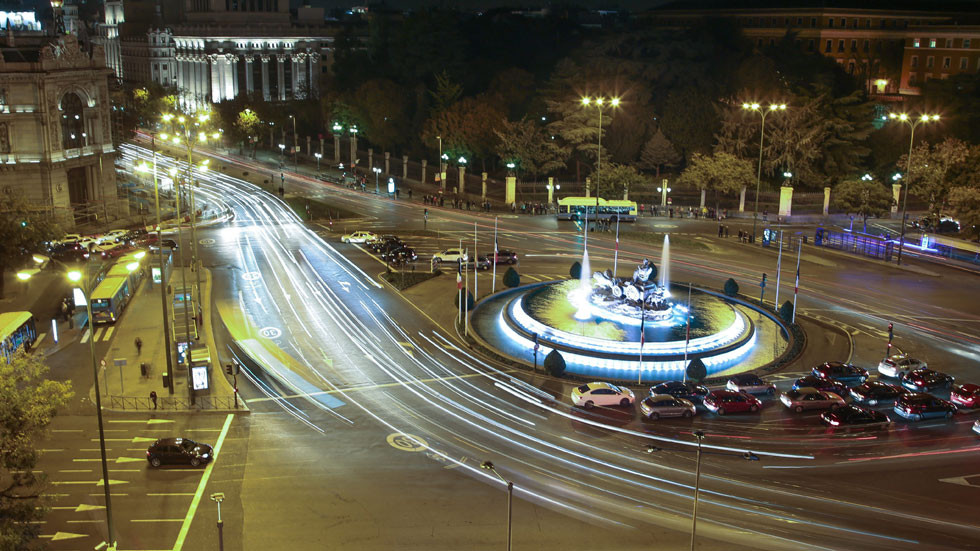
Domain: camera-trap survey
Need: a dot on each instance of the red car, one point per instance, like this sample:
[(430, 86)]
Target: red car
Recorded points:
[(967, 395), (730, 401)]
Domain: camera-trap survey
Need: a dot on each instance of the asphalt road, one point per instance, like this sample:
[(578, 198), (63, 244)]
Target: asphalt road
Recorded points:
[(370, 422)]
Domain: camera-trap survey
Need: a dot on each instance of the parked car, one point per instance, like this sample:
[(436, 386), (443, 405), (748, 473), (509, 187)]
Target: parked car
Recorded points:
[(503, 257), (916, 406), (851, 416), (976, 426), (681, 389), (723, 402), (601, 394), (179, 451), (926, 380), (450, 255), (396, 255), (390, 247), (967, 395), (843, 372), (828, 385), (751, 383), (665, 405), (382, 242), (167, 244), (876, 393), (113, 236), (899, 365), (359, 237), (810, 398)]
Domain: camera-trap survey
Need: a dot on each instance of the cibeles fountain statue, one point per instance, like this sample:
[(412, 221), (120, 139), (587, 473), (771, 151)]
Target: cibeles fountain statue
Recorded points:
[(634, 297)]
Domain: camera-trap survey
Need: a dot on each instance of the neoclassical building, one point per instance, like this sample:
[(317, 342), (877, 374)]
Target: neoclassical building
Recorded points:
[(55, 128)]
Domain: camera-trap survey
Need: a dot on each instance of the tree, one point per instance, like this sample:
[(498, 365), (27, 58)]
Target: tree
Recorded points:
[(696, 370), (617, 178), (29, 402), (720, 172), (690, 120), (381, 109), (247, 126), (512, 278), (731, 288), (470, 302), (23, 230), (525, 144), (964, 204), (786, 312), (554, 363), (932, 169), (446, 92), (576, 270), (466, 127), (659, 152), (862, 197)]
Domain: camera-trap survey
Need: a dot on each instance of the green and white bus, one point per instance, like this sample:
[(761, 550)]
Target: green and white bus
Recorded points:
[(576, 208), (114, 292), (16, 329)]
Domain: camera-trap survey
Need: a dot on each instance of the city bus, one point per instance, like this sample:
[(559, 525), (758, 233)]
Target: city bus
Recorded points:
[(16, 328), (114, 292), (575, 208)]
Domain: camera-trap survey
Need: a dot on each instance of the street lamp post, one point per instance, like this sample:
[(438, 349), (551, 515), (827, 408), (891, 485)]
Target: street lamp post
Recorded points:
[(282, 174), (912, 124), (442, 171), (697, 487), (599, 102), (353, 150), (510, 501), (376, 170), (218, 497), (762, 133), (295, 146), (664, 190), (318, 157), (86, 288)]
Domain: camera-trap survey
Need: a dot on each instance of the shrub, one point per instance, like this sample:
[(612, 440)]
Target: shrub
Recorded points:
[(469, 300), (786, 312), (696, 370), (731, 288), (576, 270), (554, 364), (512, 278)]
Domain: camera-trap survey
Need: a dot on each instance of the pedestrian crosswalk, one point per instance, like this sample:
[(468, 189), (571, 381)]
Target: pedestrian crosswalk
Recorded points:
[(102, 334)]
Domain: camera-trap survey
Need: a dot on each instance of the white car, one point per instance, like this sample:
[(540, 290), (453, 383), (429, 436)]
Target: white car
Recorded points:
[(976, 426), (359, 237), (898, 365), (450, 255), (67, 239), (112, 236), (601, 394)]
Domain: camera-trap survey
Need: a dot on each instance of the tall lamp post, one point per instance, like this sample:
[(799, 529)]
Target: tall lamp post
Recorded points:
[(912, 124), (295, 146), (487, 465), (376, 170), (318, 157), (598, 103), (86, 286), (762, 134)]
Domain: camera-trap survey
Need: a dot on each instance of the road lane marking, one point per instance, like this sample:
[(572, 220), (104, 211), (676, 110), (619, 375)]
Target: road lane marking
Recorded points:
[(75, 470), (170, 494), (157, 520), (108, 333), (367, 387), (186, 526), (406, 442), (59, 536), (85, 337)]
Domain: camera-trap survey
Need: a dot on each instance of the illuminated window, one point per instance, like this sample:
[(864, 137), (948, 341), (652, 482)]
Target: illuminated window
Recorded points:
[(915, 42), (932, 42)]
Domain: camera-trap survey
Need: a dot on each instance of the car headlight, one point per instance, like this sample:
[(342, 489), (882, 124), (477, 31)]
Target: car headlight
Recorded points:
[(205, 455)]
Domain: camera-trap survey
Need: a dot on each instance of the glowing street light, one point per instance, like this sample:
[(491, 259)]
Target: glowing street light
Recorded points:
[(912, 124), (376, 170), (762, 133)]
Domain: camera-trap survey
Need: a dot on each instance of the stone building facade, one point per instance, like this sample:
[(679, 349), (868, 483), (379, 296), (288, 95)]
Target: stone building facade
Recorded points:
[(55, 128)]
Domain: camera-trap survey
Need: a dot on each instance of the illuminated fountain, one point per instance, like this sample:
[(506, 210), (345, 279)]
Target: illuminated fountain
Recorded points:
[(596, 323)]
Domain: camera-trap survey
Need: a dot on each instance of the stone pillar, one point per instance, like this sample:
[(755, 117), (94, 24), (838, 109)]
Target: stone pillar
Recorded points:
[(626, 194), (785, 201), (321, 145), (404, 167), (370, 166), (313, 62), (295, 80), (510, 190), (462, 180), (588, 187), (551, 189), (216, 74), (265, 78), (179, 71), (336, 148), (249, 79), (231, 86), (704, 191), (741, 200), (483, 191), (424, 163), (387, 162), (826, 201), (896, 195), (281, 75), (308, 146)]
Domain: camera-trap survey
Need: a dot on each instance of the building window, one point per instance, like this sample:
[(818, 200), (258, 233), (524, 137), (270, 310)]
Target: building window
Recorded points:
[(854, 45), (799, 21), (72, 121), (867, 24), (867, 46), (915, 62), (840, 45), (946, 62), (772, 42), (830, 23), (798, 43), (930, 61), (915, 43), (809, 46), (850, 67), (830, 46), (932, 42), (758, 43), (813, 22), (911, 79), (164, 66), (949, 42), (966, 42), (963, 63), (882, 23)]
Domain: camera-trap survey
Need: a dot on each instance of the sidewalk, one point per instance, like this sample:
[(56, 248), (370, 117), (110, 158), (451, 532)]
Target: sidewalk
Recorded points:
[(125, 388)]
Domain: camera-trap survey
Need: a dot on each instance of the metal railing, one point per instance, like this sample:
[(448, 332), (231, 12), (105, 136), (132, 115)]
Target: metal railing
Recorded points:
[(172, 403)]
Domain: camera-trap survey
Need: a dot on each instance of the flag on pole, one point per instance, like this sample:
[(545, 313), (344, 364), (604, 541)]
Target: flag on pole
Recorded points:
[(796, 288), (459, 276)]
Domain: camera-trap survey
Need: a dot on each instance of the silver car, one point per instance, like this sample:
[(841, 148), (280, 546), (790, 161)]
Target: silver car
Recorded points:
[(665, 405), (899, 365), (810, 398)]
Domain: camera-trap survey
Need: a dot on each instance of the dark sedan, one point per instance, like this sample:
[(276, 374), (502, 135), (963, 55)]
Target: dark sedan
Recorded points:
[(843, 372), (826, 385), (503, 257), (876, 393), (678, 389), (179, 451), (923, 380), (851, 416), (399, 254), (384, 241), (916, 406)]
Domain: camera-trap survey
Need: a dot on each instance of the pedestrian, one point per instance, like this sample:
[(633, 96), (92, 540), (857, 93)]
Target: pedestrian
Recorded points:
[(726, 230), (139, 345), (153, 398), (409, 194), (721, 230)]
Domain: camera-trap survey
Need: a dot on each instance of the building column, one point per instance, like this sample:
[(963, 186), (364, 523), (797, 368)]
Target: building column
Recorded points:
[(233, 65), (265, 78), (826, 201), (230, 89), (404, 167), (249, 80), (424, 163), (216, 78), (462, 180), (281, 75), (313, 62)]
